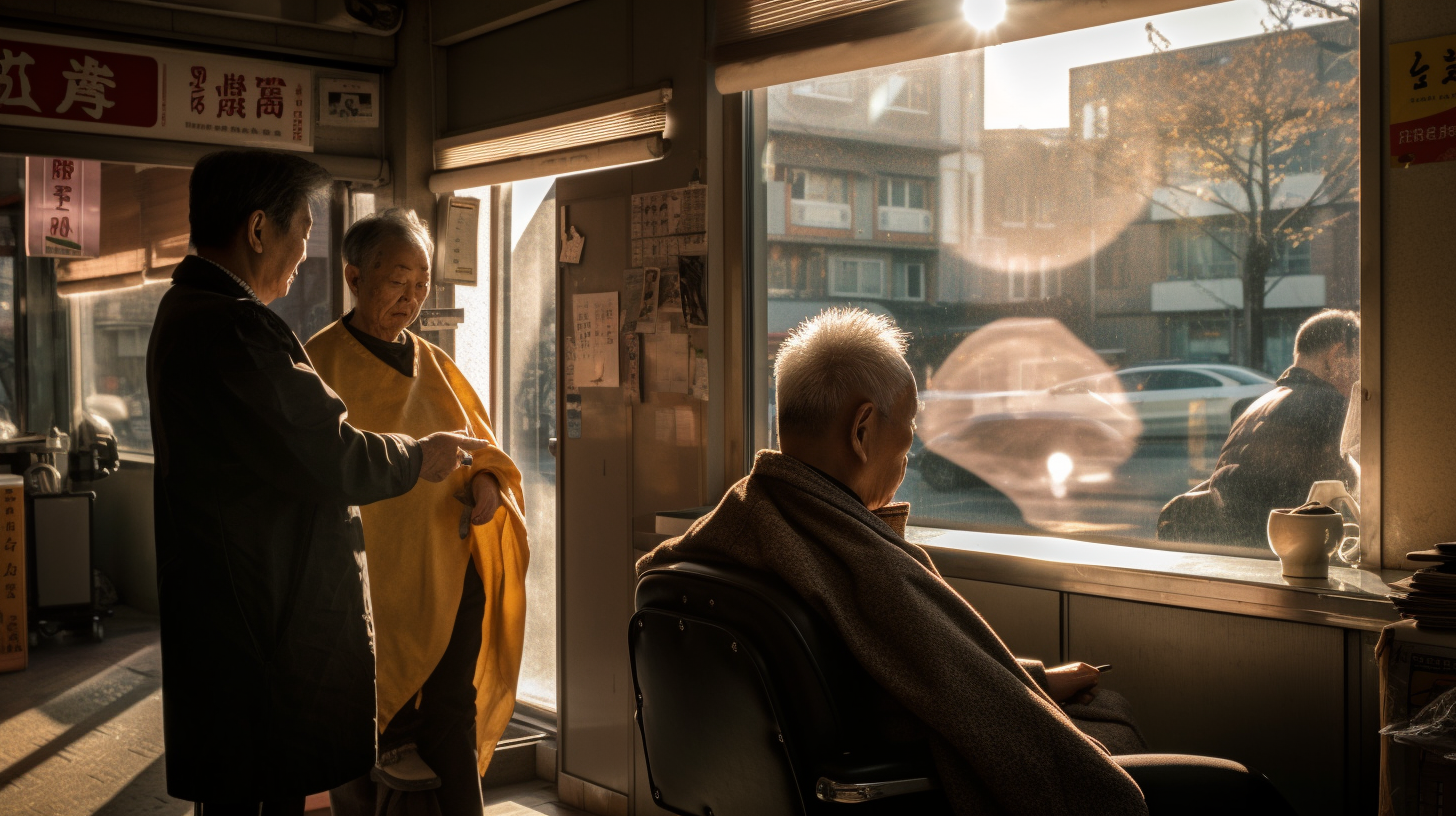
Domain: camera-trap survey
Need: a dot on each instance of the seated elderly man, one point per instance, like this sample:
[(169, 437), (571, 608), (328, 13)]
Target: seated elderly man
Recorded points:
[(447, 562), (819, 516)]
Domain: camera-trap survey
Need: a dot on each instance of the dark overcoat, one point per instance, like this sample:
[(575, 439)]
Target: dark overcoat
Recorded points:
[(1276, 450), (267, 646)]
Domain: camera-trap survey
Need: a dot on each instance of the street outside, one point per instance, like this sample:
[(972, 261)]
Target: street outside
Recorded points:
[(1126, 507)]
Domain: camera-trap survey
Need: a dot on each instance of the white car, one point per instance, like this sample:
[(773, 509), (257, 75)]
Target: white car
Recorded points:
[(1175, 400)]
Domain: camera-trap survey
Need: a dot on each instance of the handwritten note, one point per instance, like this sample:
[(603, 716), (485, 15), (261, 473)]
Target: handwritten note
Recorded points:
[(595, 318)]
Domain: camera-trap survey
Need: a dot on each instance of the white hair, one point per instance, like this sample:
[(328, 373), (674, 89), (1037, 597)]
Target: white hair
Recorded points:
[(365, 241), (836, 356)]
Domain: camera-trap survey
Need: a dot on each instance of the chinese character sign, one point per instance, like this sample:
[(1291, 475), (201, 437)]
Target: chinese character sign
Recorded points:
[(1423, 101), (83, 84), (62, 208), (13, 636), (67, 83)]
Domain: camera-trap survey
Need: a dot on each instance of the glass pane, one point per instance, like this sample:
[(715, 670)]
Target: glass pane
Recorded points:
[(525, 410), (144, 232), (12, 255), (1153, 244)]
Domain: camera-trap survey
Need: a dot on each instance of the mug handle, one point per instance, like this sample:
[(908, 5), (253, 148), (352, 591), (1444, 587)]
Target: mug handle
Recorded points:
[(1348, 550)]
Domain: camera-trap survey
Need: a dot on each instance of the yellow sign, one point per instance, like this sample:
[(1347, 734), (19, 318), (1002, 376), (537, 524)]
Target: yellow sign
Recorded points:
[(14, 639), (1423, 101)]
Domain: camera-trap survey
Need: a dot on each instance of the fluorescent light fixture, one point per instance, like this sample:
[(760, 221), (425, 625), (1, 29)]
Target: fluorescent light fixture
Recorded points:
[(984, 15)]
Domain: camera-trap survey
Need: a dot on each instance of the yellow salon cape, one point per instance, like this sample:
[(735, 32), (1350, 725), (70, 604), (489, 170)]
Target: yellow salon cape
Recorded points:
[(416, 558)]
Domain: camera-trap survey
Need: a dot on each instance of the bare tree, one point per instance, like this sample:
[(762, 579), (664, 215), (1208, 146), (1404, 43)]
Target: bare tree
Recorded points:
[(1254, 142)]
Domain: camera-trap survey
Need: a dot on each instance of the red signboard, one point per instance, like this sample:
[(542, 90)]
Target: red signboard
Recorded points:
[(79, 83)]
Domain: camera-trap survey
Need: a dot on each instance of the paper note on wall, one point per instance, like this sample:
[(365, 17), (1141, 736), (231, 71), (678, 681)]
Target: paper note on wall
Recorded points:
[(595, 320), (700, 375), (687, 426), (665, 358), (647, 308)]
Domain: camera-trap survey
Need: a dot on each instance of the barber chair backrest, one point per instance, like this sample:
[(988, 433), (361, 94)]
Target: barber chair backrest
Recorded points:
[(747, 698)]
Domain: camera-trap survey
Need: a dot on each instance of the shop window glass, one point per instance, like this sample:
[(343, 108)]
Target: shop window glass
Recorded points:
[(144, 234), (11, 257), (1156, 230)]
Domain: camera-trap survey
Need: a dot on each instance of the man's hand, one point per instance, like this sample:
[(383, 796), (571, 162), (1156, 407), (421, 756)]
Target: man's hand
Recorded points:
[(1072, 683), (486, 489), (442, 453)]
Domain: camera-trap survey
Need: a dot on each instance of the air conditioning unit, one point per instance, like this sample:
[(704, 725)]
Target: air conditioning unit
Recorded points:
[(822, 214), (902, 219)]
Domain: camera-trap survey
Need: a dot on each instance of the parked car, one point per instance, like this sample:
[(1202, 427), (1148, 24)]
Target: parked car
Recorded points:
[(1175, 400), (1005, 438)]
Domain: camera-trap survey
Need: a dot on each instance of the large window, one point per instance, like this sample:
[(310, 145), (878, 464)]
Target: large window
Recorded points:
[(144, 234), (1130, 232), (509, 339)]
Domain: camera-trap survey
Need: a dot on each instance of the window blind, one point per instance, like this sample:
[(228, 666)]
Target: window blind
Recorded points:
[(144, 230), (615, 132), (770, 42)]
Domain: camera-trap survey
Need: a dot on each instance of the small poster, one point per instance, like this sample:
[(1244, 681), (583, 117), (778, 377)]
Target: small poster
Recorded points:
[(665, 356), (647, 310), (571, 247), (349, 102), (1423, 101), (668, 223), (670, 301), (458, 251), (62, 208), (595, 320), (693, 279)]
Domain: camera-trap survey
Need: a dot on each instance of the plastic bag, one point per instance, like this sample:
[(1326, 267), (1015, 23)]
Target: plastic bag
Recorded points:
[(1433, 728)]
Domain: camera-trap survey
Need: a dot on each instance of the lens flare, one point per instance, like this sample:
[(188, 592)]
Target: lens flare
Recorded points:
[(1059, 466), (984, 14)]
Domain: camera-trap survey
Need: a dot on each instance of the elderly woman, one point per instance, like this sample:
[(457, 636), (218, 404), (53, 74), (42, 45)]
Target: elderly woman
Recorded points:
[(448, 561)]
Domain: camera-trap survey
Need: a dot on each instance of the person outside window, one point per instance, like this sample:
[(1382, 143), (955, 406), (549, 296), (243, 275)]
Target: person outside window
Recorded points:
[(267, 654), (1281, 445), (447, 561)]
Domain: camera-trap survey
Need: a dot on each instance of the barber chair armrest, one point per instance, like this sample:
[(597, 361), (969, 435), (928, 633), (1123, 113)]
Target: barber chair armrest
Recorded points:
[(873, 781)]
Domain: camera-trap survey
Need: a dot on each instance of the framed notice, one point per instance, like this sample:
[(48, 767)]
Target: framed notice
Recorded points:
[(1423, 101), (122, 89), (348, 102)]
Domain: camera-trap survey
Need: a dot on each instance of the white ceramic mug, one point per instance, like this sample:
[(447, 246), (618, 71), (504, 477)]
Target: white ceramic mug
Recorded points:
[(1305, 542)]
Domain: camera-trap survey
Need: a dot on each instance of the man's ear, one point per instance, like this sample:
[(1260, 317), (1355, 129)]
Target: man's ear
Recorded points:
[(255, 230), (352, 274), (859, 432)]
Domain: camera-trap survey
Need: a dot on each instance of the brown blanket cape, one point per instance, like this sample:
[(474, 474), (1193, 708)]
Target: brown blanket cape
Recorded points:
[(1002, 746)]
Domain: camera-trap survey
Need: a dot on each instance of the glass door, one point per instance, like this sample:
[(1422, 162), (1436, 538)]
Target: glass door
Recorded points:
[(518, 332)]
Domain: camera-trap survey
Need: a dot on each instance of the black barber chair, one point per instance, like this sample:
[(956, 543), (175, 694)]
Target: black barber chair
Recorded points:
[(751, 705)]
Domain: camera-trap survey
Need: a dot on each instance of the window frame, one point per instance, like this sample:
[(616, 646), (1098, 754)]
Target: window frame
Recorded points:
[(992, 250), (833, 270)]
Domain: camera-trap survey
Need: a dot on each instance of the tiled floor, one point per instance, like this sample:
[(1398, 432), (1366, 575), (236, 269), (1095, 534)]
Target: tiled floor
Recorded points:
[(81, 733)]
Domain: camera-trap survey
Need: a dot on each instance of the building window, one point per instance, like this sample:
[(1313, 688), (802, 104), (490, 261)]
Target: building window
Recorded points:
[(1018, 280), (1010, 324), (840, 89), (1051, 278), (909, 281), (144, 235), (1202, 254), (819, 199), (1046, 212), (904, 207), (912, 93), (1013, 212), (857, 277)]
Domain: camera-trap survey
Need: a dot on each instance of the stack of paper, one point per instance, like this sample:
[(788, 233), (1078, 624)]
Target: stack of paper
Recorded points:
[(1429, 596)]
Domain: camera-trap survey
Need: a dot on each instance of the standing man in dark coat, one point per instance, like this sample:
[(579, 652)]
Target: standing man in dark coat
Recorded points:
[(1281, 445), (267, 650)]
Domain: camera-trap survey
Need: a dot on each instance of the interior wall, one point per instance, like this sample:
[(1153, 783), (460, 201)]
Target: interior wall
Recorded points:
[(1419, 335)]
